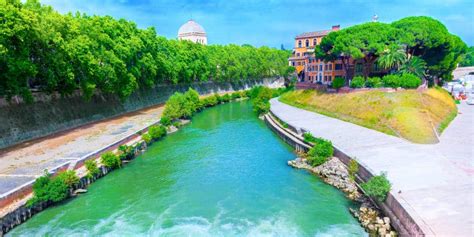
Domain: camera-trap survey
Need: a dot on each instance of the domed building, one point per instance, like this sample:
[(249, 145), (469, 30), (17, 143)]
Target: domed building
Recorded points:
[(192, 31)]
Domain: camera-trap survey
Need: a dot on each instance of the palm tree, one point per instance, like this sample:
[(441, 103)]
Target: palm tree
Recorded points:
[(414, 65), (392, 58)]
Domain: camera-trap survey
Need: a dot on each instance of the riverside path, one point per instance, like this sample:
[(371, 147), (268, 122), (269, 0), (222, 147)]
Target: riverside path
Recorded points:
[(434, 183)]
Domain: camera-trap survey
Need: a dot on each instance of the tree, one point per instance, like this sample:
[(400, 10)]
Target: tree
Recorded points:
[(415, 66), (468, 58), (392, 57)]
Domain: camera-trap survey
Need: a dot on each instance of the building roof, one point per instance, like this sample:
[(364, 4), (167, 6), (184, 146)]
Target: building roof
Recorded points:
[(190, 27), (314, 34)]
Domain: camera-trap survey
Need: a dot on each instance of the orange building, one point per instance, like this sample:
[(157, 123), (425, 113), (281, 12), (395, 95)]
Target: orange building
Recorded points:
[(308, 67)]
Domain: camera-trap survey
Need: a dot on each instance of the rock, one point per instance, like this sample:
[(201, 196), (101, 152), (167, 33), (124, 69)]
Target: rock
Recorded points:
[(386, 220), (79, 190)]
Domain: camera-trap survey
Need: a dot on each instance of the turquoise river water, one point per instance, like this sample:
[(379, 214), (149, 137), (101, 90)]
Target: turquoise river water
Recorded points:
[(225, 174)]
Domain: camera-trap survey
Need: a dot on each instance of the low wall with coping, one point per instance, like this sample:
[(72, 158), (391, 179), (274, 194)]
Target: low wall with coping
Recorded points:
[(402, 222)]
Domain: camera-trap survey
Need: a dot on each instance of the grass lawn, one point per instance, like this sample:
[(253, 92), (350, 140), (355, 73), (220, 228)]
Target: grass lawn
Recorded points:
[(409, 114)]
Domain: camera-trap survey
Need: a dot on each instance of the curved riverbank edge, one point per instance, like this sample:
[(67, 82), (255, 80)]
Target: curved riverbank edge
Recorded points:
[(402, 222)]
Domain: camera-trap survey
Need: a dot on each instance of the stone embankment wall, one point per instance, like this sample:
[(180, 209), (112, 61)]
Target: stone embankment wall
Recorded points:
[(52, 114), (403, 223)]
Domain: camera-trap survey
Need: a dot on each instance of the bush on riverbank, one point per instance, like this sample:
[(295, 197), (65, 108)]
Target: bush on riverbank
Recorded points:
[(260, 97), (92, 169), (353, 168), (377, 187), (53, 189), (110, 160), (320, 152), (157, 131)]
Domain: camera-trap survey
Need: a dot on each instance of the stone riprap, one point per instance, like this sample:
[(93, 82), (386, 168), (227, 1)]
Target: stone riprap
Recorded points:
[(433, 183)]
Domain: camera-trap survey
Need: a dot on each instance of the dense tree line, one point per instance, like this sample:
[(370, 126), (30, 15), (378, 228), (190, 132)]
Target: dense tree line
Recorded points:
[(418, 45), (44, 50), (468, 59)]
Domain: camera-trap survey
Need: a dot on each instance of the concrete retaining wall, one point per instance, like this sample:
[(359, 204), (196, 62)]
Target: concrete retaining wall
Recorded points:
[(51, 114), (402, 222)]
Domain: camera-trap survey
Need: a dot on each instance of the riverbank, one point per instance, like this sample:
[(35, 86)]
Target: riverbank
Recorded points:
[(431, 184)]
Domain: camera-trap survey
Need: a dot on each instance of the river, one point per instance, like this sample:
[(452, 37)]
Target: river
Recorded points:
[(224, 174)]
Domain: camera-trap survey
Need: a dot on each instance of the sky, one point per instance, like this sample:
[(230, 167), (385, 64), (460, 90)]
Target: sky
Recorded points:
[(272, 22)]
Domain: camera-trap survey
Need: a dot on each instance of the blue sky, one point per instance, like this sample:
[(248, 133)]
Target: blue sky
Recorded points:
[(272, 22)]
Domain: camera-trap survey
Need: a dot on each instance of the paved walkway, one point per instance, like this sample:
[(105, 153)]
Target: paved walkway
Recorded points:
[(23, 163), (436, 181)]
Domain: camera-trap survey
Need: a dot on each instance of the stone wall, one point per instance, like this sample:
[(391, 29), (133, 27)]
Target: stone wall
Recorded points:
[(51, 114)]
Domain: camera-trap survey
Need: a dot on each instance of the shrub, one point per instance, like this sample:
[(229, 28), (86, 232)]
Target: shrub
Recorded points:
[(147, 138), (338, 82), (218, 98), (53, 189), (192, 103), (209, 101), (308, 137), (225, 98), (377, 186), (126, 152), (391, 80), (174, 106), (68, 177), (317, 160), (357, 82), (374, 82), (92, 169), (177, 124), (408, 80), (165, 121), (353, 169), (110, 160), (261, 106), (236, 95), (157, 131), (321, 148)]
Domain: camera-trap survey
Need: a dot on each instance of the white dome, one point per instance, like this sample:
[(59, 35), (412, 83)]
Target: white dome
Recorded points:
[(191, 27)]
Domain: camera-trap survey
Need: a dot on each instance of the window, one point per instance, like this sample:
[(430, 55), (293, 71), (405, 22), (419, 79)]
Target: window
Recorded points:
[(330, 67), (338, 67), (375, 67), (315, 42), (320, 77), (330, 78), (293, 63), (320, 67), (325, 67), (307, 43), (297, 54), (299, 43), (325, 78), (358, 67)]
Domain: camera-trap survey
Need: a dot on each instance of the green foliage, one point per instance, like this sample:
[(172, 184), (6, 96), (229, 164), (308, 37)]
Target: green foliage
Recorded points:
[(53, 189), (68, 177), (236, 95), (353, 169), (357, 82), (42, 49), (414, 65), (374, 82), (322, 148), (209, 101), (377, 186), (165, 121), (308, 137), (317, 160), (404, 80), (260, 97), (338, 82), (110, 160), (393, 57), (92, 169), (182, 105), (225, 98), (157, 131), (147, 138), (126, 152), (468, 58)]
